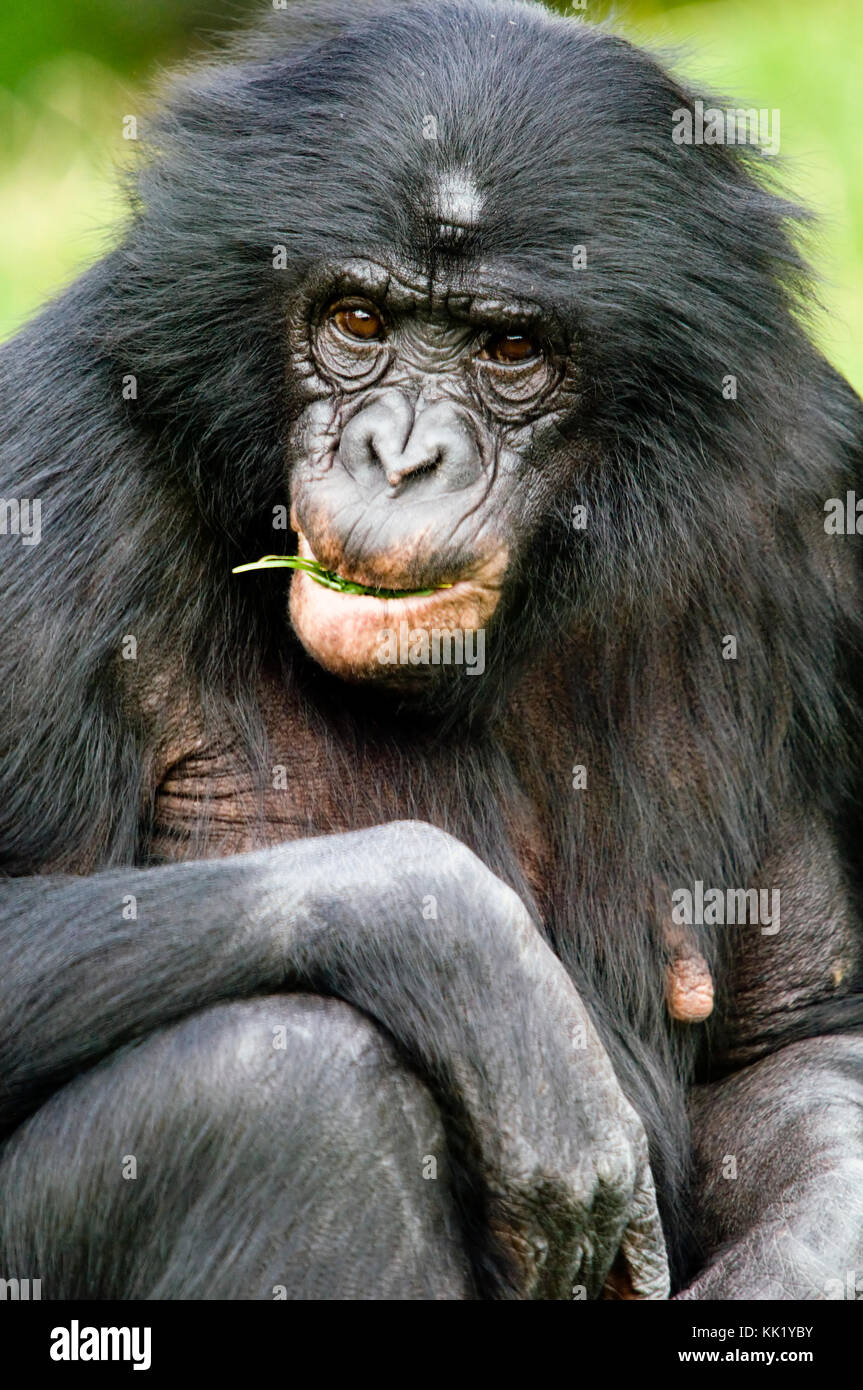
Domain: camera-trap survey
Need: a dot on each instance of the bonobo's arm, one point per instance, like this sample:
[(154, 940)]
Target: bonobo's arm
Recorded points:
[(778, 1143), (550, 1151)]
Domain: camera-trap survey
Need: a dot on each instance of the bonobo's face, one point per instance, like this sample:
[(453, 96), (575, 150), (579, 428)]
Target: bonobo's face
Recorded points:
[(414, 460), (507, 307)]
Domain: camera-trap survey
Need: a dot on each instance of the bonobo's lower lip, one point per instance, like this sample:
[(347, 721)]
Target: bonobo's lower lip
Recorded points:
[(343, 631)]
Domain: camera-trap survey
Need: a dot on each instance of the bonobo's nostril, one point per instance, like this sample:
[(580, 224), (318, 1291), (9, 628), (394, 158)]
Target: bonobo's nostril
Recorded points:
[(390, 436), (414, 470), (414, 466)]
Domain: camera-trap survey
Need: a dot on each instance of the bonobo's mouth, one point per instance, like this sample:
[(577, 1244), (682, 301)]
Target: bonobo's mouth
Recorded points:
[(330, 580), (355, 628)]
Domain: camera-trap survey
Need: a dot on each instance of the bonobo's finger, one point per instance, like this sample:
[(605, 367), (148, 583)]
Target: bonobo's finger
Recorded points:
[(641, 1268)]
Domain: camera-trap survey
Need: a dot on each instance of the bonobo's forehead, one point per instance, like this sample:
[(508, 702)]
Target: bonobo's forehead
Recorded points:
[(452, 135), (467, 132), (456, 207)]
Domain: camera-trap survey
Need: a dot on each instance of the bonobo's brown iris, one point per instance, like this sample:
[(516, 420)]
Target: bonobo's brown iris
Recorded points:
[(510, 347), (357, 322)]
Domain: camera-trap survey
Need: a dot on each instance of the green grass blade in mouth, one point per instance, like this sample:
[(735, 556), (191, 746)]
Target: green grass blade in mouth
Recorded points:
[(329, 580)]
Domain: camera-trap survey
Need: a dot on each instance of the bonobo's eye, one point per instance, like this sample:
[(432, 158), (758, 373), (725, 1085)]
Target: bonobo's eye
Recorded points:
[(510, 349), (355, 321), (516, 369), (351, 343)]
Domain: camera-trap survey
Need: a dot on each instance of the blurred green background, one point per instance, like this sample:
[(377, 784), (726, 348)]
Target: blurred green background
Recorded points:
[(70, 69)]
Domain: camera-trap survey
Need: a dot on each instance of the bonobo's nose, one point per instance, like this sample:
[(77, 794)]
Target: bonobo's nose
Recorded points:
[(403, 441)]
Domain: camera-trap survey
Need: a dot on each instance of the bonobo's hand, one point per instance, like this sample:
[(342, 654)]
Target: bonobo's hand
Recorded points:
[(406, 923)]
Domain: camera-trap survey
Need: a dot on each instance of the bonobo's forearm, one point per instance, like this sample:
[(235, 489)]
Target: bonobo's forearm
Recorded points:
[(94, 961), (779, 1175), (91, 962)]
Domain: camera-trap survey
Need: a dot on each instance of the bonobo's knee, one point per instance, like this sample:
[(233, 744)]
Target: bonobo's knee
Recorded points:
[(273, 1147)]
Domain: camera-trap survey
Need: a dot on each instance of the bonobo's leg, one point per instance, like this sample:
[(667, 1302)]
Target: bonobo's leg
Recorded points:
[(267, 1145), (778, 1141), (786, 1221)]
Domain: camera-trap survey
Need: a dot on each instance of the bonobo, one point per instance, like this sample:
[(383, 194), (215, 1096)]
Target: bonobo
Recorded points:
[(332, 965)]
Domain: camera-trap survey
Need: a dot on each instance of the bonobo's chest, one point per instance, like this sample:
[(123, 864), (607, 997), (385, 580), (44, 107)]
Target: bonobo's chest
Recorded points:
[(507, 791), (320, 771)]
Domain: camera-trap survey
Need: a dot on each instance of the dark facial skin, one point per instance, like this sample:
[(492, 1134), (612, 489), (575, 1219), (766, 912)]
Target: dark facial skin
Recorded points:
[(411, 463)]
